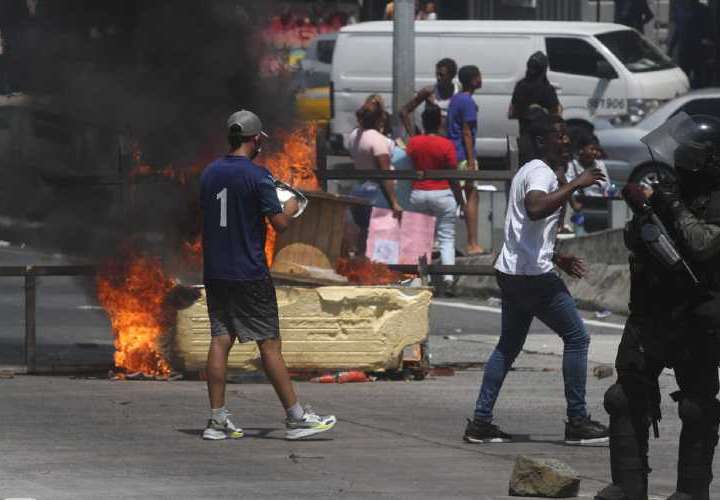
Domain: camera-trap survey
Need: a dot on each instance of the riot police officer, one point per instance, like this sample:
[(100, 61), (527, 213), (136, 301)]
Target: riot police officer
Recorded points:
[(674, 243)]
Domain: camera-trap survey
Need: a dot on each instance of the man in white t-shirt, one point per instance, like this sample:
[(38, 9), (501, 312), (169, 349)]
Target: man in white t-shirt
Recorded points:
[(530, 288)]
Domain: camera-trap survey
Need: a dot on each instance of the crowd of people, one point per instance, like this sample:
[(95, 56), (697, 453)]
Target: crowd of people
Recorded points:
[(446, 140), (674, 287)]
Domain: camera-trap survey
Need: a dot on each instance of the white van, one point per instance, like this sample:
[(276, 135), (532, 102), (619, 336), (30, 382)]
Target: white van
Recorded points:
[(601, 71)]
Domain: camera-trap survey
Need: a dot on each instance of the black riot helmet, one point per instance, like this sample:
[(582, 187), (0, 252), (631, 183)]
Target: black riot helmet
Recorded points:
[(690, 143), (699, 144)]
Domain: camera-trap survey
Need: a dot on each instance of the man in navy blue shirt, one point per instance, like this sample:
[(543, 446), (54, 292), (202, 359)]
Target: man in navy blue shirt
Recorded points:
[(462, 130), (237, 198)]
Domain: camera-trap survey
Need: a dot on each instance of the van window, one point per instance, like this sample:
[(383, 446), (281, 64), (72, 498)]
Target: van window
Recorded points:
[(635, 52), (325, 51), (573, 56)]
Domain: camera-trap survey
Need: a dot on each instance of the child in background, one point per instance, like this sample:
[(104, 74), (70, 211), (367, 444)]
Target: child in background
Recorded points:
[(587, 155)]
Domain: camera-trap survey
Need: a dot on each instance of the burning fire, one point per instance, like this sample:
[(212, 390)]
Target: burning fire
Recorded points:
[(293, 164), (182, 175), (132, 290), (192, 253), (362, 271)]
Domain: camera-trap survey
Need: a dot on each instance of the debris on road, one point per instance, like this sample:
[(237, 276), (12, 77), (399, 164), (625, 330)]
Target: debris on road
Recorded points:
[(603, 314), (494, 302), (603, 371), (543, 477), (342, 378), (296, 458), (120, 375), (442, 371)]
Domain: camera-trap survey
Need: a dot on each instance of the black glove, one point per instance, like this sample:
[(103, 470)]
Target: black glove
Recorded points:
[(666, 197)]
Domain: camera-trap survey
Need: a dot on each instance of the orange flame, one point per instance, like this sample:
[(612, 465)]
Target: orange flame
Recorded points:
[(180, 174), (192, 253), (132, 290), (362, 271), (293, 164), (133, 287)]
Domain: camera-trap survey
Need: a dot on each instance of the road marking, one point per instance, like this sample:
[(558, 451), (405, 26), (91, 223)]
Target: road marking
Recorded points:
[(496, 310), (89, 308)]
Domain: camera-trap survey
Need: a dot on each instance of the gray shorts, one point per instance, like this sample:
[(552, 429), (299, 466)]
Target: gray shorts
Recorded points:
[(246, 310)]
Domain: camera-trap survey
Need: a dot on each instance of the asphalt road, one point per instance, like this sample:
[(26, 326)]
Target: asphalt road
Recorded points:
[(66, 437)]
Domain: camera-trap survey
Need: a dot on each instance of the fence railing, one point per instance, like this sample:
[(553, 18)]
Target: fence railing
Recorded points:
[(31, 273), (423, 269)]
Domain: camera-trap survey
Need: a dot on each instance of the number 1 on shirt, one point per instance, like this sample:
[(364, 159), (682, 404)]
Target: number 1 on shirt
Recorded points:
[(222, 196)]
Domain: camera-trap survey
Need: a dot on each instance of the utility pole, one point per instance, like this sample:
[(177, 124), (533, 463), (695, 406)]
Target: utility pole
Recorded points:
[(403, 58)]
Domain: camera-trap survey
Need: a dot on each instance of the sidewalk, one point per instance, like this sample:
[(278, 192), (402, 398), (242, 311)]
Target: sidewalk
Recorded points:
[(69, 438)]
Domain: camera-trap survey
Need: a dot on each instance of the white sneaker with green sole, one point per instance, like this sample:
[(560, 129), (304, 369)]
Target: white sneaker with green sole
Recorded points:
[(310, 424), (216, 430)]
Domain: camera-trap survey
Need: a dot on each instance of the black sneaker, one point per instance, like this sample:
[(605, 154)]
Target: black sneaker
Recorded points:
[(585, 431), (680, 496), (484, 432), (611, 492)]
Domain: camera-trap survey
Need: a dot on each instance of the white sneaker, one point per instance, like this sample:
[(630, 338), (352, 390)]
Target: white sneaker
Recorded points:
[(310, 424), (227, 430)]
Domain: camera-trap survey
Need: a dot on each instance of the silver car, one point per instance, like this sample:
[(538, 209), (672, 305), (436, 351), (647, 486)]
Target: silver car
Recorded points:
[(629, 159)]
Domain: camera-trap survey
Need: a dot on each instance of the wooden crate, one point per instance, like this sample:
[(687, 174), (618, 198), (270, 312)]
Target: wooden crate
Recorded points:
[(315, 239)]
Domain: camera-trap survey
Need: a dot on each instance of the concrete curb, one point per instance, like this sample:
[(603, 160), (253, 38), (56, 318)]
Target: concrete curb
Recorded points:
[(607, 285)]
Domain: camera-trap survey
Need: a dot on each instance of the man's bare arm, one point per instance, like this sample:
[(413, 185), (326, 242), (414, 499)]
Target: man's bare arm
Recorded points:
[(388, 186), (409, 108), (469, 145), (539, 204), (280, 222)]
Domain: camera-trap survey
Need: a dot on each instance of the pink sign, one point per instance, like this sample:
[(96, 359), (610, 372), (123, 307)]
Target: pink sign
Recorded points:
[(404, 241)]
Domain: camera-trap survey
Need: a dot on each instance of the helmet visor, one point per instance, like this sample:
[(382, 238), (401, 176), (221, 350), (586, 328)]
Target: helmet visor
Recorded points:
[(665, 140)]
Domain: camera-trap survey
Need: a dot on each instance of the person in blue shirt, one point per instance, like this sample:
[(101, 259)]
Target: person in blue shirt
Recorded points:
[(462, 131), (237, 198)]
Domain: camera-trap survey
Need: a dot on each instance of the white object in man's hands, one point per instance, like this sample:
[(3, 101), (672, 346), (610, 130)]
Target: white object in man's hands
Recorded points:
[(286, 192)]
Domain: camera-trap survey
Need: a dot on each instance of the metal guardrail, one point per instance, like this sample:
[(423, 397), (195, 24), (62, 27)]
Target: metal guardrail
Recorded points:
[(31, 273), (436, 269), (424, 269), (413, 175)]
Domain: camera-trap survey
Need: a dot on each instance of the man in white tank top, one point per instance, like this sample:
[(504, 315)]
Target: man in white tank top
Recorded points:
[(437, 95), (530, 288)]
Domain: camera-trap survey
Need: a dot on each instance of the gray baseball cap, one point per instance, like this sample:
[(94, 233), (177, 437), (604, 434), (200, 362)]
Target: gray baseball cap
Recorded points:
[(248, 122)]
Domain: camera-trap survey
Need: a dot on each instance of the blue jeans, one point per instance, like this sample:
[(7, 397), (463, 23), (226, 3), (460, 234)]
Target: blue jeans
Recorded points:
[(442, 205), (547, 298)]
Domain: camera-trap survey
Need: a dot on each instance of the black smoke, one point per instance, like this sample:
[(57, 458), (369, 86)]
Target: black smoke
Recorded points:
[(108, 80)]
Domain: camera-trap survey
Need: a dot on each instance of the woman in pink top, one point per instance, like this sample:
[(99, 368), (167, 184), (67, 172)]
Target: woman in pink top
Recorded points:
[(371, 150)]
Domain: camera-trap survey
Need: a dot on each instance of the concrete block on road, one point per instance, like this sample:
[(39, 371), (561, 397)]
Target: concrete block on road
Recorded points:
[(544, 478), (325, 328)]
